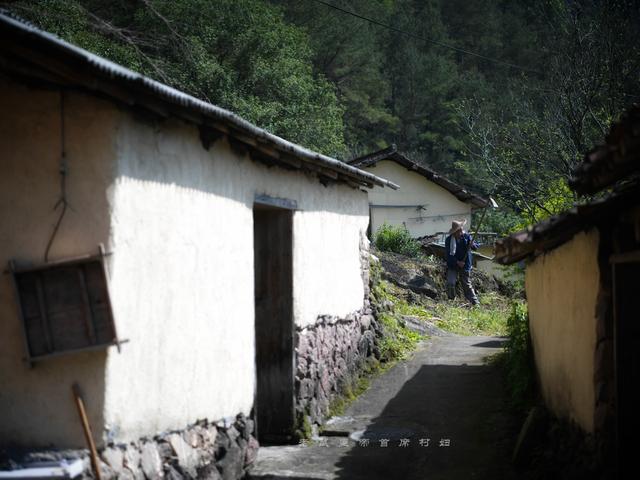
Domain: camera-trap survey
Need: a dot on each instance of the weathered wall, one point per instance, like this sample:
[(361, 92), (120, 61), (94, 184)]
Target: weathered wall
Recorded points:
[(182, 272), (562, 289), (36, 405), (179, 222), (441, 207)]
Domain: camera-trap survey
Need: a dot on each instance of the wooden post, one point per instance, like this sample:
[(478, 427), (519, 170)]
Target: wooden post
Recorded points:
[(95, 463)]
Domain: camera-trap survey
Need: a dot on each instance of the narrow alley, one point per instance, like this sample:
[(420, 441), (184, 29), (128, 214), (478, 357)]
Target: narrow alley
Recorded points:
[(438, 415)]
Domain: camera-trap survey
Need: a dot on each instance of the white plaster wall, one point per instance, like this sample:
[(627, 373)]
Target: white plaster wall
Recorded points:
[(182, 273), (441, 207), (36, 405), (179, 223)]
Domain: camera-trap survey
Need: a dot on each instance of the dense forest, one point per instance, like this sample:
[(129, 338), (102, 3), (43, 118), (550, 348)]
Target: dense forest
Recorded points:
[(504, 96)]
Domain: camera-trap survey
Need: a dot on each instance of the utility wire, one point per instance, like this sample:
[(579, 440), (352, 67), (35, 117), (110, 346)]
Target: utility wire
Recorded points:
[(428, 40), (63, 182)]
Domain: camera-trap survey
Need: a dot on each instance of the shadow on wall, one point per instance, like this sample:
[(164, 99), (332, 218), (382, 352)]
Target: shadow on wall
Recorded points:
[(171, 153), (46, 403), (459, 405)]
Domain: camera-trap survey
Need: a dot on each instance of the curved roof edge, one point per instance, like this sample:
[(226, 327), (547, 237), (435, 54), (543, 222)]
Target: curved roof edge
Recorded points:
[(26, 47), (391, 153)]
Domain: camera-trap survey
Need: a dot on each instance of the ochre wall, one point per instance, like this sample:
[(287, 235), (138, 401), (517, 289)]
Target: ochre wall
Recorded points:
[(562, 287), (441, 207), (36, 405)]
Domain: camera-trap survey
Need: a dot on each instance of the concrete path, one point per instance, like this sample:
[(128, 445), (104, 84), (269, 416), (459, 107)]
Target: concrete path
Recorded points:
[(443, 395)]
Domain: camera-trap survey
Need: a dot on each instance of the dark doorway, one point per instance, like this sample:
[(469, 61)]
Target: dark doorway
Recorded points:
[(273, 255), (627, 353)]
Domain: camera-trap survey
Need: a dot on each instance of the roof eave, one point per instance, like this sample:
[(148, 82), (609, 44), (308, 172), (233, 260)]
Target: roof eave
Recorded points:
[(20, 39)]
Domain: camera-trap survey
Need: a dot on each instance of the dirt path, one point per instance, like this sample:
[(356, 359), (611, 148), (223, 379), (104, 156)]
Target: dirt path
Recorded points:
[(443, 393)]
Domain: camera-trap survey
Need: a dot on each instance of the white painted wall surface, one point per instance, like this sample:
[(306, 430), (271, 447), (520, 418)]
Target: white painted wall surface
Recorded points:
[(179, 221), (440, 206), (182, 273), (36, 405)]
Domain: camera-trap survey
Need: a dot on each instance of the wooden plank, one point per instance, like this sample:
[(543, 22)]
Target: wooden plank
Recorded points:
[(626, 257), (23, 324), (43, 313), (107, 292), (63, 262), (92, 348), (88, 310), (264, 199)]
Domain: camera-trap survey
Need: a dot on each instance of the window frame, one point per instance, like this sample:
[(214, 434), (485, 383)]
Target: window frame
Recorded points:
[(89, 314)]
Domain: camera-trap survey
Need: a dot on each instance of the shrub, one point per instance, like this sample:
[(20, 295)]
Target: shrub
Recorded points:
[(396, 239), (518, 357)]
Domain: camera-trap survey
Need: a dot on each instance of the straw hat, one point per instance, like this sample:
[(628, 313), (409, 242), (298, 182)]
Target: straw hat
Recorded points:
[(457, 225)]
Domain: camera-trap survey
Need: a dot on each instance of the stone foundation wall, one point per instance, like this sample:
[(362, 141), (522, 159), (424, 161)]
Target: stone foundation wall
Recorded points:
[(329, 357), (331, 353), (221, 450)]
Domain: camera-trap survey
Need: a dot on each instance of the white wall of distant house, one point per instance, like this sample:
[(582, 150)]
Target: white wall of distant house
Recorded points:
[(424, 207), (178, 221)]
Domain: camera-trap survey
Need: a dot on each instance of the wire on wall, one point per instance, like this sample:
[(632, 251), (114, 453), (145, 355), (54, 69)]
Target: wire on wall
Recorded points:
[(62, 200)]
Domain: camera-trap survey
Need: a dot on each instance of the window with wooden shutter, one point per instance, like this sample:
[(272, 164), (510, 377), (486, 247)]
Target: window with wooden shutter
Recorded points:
[(65, 307)]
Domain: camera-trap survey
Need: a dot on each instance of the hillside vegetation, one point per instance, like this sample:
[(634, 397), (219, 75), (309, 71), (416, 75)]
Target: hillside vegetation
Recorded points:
[(503, 96)]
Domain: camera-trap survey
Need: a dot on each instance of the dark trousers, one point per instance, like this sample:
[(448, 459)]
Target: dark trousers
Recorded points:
[(465, 278)]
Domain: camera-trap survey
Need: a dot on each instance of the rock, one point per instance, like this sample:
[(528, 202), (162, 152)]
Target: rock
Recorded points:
[(106, 472), (151, 462), (222, 444), (126, 474), (132, 461), (365, 322), (306, 388), (193, 437), (164, 449), (232, 464), (423, 285), (252, 451), (173, 474), (188, 458), (209, 472), (114, 457), (233, 433), (249, 426), (209, 436)]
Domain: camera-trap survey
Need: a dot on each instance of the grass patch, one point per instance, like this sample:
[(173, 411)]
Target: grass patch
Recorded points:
[(397, 340), (488, 318)]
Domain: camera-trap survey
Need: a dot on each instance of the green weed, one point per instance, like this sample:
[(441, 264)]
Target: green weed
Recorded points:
[(397, 240)]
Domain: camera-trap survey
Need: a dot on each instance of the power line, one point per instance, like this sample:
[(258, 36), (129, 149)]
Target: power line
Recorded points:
[(428, 40)]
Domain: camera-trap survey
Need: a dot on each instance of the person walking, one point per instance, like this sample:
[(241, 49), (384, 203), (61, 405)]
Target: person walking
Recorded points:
[(458, 246)]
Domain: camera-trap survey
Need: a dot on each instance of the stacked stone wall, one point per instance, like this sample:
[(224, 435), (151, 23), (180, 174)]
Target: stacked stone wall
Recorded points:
[(222, 450)]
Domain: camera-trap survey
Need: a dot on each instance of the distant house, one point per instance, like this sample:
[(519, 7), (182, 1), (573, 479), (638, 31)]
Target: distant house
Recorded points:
[(231, 288), (426, 202), (582, 290)]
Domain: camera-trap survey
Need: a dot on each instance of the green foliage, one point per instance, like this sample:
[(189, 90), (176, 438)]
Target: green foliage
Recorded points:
[(302, 428), (518, 357), (351, 391), (240, 54), (396, 239), (344, 86), (397, 340), (489, 318), (557, 198)]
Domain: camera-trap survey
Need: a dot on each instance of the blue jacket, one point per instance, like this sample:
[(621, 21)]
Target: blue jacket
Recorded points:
[(462, 246)]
